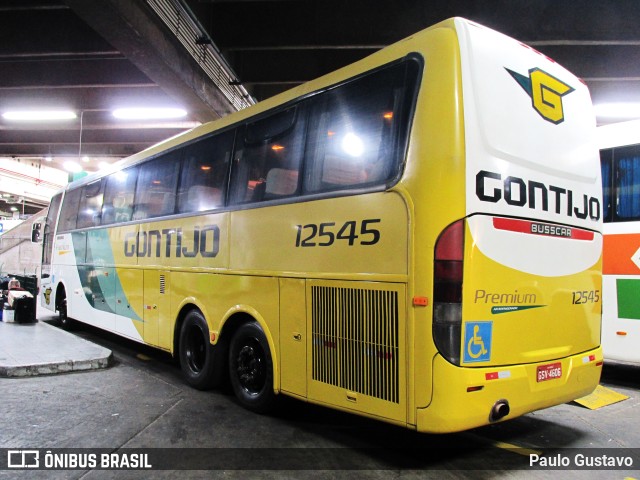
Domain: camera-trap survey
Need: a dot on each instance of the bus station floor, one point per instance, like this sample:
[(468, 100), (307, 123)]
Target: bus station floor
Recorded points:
[(140, 402), (38, 348)]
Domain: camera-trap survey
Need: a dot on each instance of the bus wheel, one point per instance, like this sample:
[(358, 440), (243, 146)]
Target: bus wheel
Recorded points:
[(64, 321), (195, 351), (251, 368)]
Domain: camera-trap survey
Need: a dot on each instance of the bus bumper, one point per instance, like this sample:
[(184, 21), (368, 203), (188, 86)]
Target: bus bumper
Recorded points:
[(468, 395)]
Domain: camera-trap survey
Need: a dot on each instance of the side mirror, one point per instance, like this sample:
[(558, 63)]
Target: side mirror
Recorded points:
[(36, 229), (35, 232)]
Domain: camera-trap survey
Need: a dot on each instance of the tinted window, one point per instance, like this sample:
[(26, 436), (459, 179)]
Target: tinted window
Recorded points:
[(118, 196), (357, 131), (47, 238), (156, 188), (69, 212), (204, 174), (90, 205), (627, 202), (268, 158), (606, 170)]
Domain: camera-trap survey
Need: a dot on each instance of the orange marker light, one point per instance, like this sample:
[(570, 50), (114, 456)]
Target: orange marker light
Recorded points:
[(277, 148), (420, 301)]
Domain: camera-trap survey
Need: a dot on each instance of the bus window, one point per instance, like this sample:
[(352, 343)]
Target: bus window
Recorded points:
[(606, 170), (204, 174), (352, 132), (118, 196), (268, 158), (628, 191), (90, 205), (69, 213), (156, 188), (49, 228)]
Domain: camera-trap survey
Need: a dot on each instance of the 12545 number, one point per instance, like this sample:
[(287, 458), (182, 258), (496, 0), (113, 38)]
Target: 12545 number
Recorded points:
[(327, 233), (586, 296)]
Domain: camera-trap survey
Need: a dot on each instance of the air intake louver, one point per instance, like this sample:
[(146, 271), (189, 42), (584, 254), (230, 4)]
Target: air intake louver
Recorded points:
[(355, 340)]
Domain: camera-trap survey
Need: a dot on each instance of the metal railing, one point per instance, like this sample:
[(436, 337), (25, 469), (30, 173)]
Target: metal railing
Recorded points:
[(187, 29)]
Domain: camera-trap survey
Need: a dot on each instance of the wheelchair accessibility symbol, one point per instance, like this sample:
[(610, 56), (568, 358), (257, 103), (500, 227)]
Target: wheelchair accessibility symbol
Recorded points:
[(477, 341)]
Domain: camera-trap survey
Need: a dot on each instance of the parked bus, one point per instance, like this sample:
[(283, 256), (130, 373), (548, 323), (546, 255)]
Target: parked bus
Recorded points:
[(620, 158), (415, 238)]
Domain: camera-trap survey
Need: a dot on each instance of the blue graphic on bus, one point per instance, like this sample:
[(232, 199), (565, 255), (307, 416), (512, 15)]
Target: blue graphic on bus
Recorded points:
[(477, 341)]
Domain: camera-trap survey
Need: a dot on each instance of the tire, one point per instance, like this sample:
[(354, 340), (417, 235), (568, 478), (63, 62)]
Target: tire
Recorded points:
[(63, 320), (197, 356), (251, 368)]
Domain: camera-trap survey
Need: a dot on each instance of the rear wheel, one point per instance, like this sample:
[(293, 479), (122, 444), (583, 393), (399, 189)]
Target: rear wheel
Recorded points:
[(196, 353), (251, 368)]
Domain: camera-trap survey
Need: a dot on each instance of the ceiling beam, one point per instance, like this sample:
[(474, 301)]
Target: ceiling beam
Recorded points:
[(132, 28)]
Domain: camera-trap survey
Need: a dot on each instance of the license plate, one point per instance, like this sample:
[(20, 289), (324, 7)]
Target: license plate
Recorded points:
[(549, 371)]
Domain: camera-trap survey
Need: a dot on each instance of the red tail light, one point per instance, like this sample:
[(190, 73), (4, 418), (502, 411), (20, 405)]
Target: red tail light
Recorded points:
[(447, 291)]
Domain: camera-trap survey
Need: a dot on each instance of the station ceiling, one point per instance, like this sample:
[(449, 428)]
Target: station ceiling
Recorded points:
[(95, 56)]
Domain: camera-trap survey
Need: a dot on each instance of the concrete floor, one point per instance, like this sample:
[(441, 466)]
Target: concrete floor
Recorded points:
[(141, 402)]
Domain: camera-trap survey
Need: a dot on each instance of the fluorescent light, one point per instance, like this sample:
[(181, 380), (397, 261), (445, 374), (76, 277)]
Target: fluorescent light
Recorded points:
[(618, 110), (38, 115), (72, 167), (148, 113)]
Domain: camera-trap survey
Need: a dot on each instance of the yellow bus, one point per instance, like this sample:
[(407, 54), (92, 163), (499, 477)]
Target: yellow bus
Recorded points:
[(415, 238)]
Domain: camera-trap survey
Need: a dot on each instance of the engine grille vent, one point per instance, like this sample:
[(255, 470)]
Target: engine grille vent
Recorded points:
[(355, 340)]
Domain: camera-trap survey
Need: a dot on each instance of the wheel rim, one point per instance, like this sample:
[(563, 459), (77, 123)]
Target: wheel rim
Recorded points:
[(251, 367), (195, 349)]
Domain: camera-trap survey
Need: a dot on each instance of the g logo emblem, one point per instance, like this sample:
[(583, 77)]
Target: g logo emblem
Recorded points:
[(546, 93)]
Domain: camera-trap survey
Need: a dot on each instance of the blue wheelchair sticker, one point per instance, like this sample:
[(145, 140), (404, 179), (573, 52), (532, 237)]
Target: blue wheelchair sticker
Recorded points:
[(477, 341)]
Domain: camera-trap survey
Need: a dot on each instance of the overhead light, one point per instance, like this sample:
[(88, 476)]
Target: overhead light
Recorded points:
[(148, 113), (85, 159), (72, 167), (38, 115), (618, 110)]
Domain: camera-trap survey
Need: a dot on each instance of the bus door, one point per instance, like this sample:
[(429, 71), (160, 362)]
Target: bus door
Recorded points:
[(156, 307), (293, 337)]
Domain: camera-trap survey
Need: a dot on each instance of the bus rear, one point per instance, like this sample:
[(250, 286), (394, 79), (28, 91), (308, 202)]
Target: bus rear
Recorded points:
[(517, 278)]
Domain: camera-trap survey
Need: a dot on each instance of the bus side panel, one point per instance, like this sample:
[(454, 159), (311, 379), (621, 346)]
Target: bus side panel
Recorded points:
[(360, 234), (621, 304)]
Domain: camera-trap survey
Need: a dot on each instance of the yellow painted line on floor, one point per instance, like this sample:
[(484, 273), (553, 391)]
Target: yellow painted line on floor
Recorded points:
[(516, 449), (506, 446)]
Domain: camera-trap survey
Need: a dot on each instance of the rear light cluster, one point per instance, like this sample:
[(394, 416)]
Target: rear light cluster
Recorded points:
[(447, 291)]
